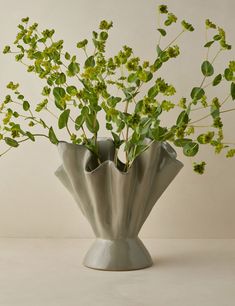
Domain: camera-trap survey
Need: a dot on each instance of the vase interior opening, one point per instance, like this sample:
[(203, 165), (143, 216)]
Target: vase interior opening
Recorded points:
[(107, 152)]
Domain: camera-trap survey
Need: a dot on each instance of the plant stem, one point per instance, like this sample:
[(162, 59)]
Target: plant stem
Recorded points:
[(84, 49), (81, 126), (127, 133), (224, 111), (23, 140), (216, 56), (228, 110), (208, 49), (199, 126), (225, 100), (116, 156), (229, 143), (203, 107), (41, 135), (199, 108), (174, 40), (5, 152), (159, 25), (37, 135), (68, 130), (50, 112), (203, 80)]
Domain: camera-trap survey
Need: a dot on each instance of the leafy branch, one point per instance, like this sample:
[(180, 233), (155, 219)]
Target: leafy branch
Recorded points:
[(75, 92)]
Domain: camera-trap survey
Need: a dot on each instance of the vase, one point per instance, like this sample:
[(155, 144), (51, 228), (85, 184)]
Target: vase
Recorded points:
[(116, 202)]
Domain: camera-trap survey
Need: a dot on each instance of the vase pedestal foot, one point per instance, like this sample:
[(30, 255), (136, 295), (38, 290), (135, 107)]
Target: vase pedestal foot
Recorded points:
[(118, 255)]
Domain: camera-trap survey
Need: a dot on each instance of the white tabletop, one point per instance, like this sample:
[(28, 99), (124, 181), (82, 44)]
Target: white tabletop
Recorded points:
[(49, 272)]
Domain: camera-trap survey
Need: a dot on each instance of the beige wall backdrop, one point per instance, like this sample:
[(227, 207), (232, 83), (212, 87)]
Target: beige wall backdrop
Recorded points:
[(34, 204)]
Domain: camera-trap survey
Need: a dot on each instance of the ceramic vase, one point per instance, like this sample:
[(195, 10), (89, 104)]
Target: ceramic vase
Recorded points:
[(115, 202)]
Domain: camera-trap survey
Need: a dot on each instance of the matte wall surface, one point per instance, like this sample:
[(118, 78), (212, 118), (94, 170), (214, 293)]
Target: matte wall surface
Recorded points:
[(33, 203)]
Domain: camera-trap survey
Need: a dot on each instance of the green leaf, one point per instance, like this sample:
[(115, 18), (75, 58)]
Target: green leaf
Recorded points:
[(170, 19), (73, 69), (163, 9), (233, 90), (26, 105), (187, 26), (59, 93), (40, 106), (159, 50), (92, 123), (31, 136), (197, 93), (18, 57), (144, 126), (153, 91), (11, 142), (182, 142), (215, 112), (217, 80), (157, 64), (90, 62), (43, 123), (209, 24), (105, 25), (117, 141), (158, 133), (164, 56), (232, 65), (61, 79), (207, 68), (139, 106), (149, 76), (67, 56), (167, 105), (79, 122), (162, 32), (228, 74), (46, 91), (199, 168), (63, 119), (217, 37), (208, 44), (144, 75), (183, 119), (205, 138), (190, 148), (6, 49), (52, 137), (230, 153), (82, 44), (132, 78), (72, 90), (85, 111), (112, 101), (104, 35), (109, 126), (120, 126)]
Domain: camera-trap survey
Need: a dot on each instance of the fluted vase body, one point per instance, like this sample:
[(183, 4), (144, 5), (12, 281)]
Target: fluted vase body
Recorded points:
[(115, 202)]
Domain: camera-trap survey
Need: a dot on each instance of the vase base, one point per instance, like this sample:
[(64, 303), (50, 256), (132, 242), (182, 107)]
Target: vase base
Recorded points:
[(118, 255)]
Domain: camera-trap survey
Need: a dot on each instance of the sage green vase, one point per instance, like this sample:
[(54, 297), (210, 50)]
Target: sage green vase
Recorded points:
[(116, 203)]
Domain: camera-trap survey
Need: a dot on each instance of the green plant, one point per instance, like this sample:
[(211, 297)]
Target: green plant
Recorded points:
[(78, 92)]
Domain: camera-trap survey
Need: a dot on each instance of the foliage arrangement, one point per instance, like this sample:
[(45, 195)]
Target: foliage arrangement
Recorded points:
[(80, 91)]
